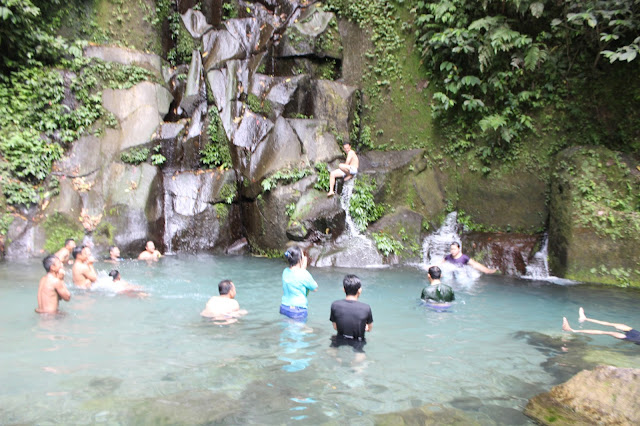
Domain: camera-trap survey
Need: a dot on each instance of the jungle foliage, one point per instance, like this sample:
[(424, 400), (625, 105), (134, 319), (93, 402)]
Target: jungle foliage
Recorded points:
[(494, 62)]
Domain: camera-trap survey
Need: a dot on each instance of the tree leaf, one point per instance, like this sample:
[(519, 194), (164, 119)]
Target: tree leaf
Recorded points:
[(536, 9)]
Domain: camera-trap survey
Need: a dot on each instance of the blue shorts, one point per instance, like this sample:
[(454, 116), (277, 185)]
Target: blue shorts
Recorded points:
[(632, 336), (294, 312)]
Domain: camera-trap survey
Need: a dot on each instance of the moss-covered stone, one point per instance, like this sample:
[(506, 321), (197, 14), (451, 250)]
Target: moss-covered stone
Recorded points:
[(58, 227), (594, 227)]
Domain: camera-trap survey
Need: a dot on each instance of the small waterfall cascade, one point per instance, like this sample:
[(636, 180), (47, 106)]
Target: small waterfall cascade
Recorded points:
[(436, 246), (354, 248), (538, 267)]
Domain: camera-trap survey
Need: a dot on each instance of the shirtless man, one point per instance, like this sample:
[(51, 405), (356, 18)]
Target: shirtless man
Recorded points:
[(345, 170), (457, 258), (51, 288), (64, 253), (150, 252), (223, 307), (114, 255), (83, 272)]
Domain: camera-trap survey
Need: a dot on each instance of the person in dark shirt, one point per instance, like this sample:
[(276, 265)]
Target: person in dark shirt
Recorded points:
[(351, 318), (457, 258), (436, 292), (628, 333)]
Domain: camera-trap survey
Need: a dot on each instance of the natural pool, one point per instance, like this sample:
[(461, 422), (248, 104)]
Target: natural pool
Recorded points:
[(123, 360)]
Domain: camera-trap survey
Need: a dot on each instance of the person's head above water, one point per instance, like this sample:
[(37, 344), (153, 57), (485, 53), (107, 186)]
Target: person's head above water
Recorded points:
[(351, 284), (434, 272), (150, 247), (114, 252), (455, 248), (293, 255), (226, 287), (69, 243), (77, 250), (50, 262), (115, 274)]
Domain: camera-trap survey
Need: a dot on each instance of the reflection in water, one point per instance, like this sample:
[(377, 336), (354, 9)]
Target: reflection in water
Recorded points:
[(292, 342)]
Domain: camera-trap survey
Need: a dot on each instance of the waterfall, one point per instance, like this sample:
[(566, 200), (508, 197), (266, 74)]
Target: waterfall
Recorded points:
[(436, 246), (345, 203), (538, 267)]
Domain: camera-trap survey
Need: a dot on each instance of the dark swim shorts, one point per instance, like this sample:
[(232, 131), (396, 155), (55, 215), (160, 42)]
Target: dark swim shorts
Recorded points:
[(356, 344), (633, 336)]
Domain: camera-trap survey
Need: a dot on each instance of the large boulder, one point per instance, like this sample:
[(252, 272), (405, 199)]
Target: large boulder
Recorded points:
[(606, 395), (594, 226), (314, 33), (510, 253), (405, 226)]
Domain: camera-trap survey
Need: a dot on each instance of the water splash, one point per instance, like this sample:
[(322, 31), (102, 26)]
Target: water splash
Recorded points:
[(538, 267), (436, 246)]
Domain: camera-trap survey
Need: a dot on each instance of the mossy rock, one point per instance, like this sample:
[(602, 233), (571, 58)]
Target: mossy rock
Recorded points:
[(405, 227), (57, 228), (594, 227)]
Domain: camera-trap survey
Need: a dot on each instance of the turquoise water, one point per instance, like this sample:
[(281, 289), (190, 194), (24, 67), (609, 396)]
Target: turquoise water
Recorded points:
[(124, 360)]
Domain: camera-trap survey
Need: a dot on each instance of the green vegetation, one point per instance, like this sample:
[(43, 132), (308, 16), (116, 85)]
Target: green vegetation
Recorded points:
[(362, 208), (158, 159), (229, 10), (284, 176), (259, 106), (58, 228), (290, 209), (184, 45), (135, 156), (386, 244), (496, 63), (322, 183), (606, 196), (216, 153), (228, 193)]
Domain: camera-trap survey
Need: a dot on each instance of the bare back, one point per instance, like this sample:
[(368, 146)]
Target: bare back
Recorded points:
[(83, 275), (50, 291), (218, 307), (352, 160), (63, 255)]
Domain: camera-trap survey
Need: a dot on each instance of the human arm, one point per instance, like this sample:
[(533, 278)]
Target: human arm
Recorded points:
[(368, 327), (480, 267), (90, 271), (62, 290), (335, 326)]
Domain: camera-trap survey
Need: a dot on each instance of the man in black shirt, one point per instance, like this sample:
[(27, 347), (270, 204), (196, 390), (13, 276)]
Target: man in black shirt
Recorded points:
[(351, 318)]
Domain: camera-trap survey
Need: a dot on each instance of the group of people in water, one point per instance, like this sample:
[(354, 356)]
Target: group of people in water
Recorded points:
[(52, 288)]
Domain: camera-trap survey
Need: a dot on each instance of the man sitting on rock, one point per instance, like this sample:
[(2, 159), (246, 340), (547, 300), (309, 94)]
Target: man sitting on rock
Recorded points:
[(345, 170), (628, 333), (150, 252)]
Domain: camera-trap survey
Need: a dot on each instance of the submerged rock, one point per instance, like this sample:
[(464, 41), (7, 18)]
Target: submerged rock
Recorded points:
[(197, 407), (606, 395), (425, 415)]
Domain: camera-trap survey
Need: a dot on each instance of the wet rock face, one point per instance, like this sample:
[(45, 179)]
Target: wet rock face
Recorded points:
[(509, 253), (606, 395)]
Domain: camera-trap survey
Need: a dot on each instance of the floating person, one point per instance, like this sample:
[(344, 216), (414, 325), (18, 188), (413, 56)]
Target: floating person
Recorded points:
[(124, 287), (457, 258), (345, 170), (629, 334), (52, 288), (436, 294), (83, 272), (114, 255), (65, 252), (224, 307), (150, 252), (296, 284), (350, 317)]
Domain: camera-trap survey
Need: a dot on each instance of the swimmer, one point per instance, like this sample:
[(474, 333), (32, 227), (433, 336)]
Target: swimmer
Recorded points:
[(224, 307), (52, 288), (350, 317), (150, 252), (457, 258), (64, 253), (346, 170), (124, 286), (83, 272), (114, 255), (297, 282), (436, 293), (628, 333)]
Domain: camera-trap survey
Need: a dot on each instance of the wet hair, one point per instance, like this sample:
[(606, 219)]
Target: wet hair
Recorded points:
[(435, 272), (224, 287), (76, 250), (114, 273), (455, 243), (48, 262), (68, 240), (293, 255), (351, 284), (111, 248)]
